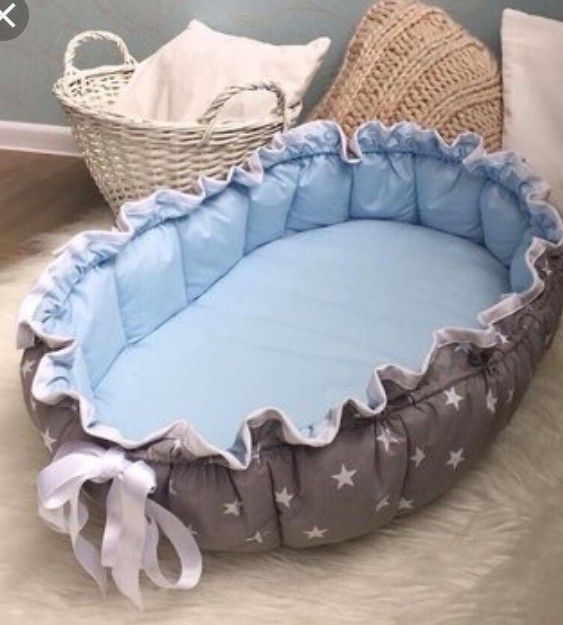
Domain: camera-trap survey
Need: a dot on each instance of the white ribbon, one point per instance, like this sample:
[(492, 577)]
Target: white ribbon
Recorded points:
[(131, 534)]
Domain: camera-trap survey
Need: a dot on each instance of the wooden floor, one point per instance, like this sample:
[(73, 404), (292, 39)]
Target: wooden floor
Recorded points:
[(39, 193)]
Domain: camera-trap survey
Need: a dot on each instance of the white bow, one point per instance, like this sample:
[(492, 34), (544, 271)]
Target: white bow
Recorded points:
[(131, 534)]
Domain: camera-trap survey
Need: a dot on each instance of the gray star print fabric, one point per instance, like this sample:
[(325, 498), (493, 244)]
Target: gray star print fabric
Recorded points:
[(374, 469)]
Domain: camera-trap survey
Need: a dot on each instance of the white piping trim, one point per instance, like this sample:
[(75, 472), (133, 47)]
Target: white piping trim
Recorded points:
[(40, 138)]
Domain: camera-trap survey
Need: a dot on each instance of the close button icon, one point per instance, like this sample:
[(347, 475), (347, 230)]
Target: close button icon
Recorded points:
[(14, 17)]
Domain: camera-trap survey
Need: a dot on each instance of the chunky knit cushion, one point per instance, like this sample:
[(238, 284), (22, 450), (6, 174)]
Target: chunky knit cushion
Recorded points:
[(408, 61)]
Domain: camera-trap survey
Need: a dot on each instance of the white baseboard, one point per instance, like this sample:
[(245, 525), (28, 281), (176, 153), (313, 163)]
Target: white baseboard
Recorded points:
[(43, 138)]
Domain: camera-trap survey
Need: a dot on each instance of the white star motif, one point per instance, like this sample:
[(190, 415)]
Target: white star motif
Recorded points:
[(315, 533), (510, 396), (233, 508), (171, 488), (283, 498), (491, 402), (344, 478), (452, 398), (503, 339), (546, 269), (455, 458), (418, 457), (386, 438), (405, 504), (382, 503), (27, 366), (257, 538), (48, 440)]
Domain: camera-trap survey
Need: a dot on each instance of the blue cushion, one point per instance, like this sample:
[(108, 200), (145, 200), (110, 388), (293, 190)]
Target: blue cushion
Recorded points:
[(288, 285), (299, 325), (384, 188)]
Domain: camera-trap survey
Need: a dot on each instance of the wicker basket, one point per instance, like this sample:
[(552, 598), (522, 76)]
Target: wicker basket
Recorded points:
[(130, 158)]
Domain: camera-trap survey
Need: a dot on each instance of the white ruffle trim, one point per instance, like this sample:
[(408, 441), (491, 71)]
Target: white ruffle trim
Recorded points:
[(90, 248)]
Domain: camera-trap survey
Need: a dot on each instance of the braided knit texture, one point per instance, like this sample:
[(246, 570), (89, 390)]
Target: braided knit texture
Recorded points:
[(407, 61)]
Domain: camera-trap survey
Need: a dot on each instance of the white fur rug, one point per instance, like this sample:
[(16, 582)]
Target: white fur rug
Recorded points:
[(490, 552)]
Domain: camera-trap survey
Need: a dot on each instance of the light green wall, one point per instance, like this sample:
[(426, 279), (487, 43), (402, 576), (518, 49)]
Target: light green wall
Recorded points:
[(30, 64)]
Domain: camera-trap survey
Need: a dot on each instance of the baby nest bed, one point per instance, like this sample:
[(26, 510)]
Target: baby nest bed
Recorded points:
[(294, 356)]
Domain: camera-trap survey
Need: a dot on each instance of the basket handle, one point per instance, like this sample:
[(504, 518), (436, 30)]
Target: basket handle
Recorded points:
[(209, 118), (93, 35)]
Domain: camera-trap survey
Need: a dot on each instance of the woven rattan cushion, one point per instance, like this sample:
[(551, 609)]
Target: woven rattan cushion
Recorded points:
[(408, 61)]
